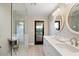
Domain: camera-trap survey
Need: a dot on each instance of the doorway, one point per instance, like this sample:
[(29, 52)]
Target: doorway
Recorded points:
[(39, 32)]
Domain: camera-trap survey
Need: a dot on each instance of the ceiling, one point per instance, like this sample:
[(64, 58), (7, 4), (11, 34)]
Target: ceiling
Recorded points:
[(34, 9)]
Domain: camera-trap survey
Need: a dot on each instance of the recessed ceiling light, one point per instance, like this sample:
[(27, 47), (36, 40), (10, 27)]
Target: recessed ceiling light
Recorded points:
[(57, 10)]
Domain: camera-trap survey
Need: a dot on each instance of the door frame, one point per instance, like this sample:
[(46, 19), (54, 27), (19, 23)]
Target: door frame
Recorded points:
[(35, 33)]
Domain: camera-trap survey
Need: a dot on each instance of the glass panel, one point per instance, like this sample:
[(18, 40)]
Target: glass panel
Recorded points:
[(18, 32), (39, 31)]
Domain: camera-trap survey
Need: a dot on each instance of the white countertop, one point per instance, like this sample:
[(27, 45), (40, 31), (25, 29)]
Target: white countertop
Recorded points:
[(62, 48)]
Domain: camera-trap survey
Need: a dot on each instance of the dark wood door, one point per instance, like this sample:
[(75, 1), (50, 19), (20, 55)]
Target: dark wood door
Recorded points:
[(39, 32)]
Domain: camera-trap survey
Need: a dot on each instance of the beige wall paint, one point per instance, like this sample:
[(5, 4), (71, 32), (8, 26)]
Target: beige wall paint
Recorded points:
[(29, 27), (65, 32), (5, 28)]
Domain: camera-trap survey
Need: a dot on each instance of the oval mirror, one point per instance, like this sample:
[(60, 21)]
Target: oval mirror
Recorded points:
[(73, 19)]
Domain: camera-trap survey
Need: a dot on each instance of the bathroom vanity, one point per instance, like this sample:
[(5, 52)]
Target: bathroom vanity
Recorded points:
[(49, 50), (53, 47)]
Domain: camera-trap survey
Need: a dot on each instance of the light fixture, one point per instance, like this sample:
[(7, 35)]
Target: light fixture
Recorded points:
[(57, 10)]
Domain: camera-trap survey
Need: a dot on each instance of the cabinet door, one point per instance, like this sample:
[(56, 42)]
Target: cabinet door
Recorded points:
[(49, 50)]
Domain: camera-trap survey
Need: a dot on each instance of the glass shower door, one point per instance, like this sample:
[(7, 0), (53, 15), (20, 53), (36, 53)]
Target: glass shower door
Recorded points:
[(19, 48)]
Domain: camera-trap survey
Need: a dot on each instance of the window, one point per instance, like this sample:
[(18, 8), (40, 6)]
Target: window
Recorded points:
[(57, 25)]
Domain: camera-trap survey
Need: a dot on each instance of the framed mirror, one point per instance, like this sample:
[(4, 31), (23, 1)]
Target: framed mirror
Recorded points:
[(73, 19)]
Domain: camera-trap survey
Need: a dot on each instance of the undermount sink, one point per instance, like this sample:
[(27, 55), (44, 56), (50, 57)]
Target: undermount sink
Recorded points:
[(52, 37), (65, 44), (61, 39), (69, 43), (68, 47)]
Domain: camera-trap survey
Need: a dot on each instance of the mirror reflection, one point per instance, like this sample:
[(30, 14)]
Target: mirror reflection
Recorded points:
[(73, 18), (58, 23)]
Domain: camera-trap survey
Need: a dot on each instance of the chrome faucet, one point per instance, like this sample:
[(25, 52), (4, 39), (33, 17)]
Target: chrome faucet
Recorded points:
[(76, 43)]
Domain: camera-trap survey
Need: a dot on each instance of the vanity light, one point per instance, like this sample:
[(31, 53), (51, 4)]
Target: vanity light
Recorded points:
[(57, 10)]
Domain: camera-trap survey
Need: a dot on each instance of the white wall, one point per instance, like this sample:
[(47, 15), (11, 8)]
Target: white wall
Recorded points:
[(14, 19), (65, 32), (29, 27), (5, 27)]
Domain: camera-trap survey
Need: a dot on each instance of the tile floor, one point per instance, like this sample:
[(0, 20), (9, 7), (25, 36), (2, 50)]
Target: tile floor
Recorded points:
[(35, 50), (31, 50), (22, 51)]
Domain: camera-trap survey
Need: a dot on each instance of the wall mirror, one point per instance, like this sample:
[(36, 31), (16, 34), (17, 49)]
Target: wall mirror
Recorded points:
[(73, 19), (58, 23)]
